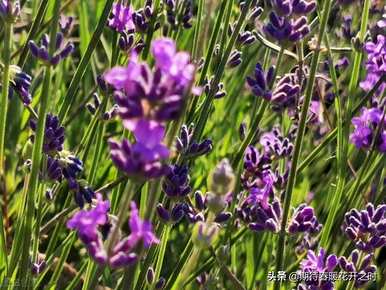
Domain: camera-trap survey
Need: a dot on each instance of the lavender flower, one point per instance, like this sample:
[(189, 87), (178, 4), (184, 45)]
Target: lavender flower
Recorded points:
[(346, 27), (88, 224), (376, 63), (53, 135), (256, 165), (66, 24), (285, 94), (245, 38), (204, 234), (154, 95), (189, 148), (286, 31), (53, 169), (220, 92), (367, 228), (317, 264), (175, 18), (126, 41), (144, 158), (365, 128), (38, 266), (222, 179), (20, 82), (62, 49), (9, 10), (275, 143), (122, 18), (260, 214), (234, 58), (363, 268), (176, 182), (304, 220), (261, 81)]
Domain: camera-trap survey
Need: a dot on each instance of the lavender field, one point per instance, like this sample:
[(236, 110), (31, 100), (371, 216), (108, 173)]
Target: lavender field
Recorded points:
[(193, 144)]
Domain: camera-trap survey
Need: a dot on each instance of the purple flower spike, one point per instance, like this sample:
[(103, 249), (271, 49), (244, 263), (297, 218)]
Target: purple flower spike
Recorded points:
[(176, 64), (376, 63), (54, 171), (189, 147), (315, 264), (304, 220), (365, 128), (140, 230), (363, 268), (163, 213), (66, 24), (53, 135), (286, 31), (303, 7), (158, 94), (256, 167), (122, 18), (259, 213), (367, 228), (261, 81), (9, 10), (286, 93), (282, 7), (176, 182), (275, 143), (63, 50), (145, 158), (86, 222), (21, 83)]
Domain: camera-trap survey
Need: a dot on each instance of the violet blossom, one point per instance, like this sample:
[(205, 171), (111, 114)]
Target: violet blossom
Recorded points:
[(122, 18), (367, 228), (365, 129), (89, 224), (145, 158), (316, 265), (364, 269), (41, 51), (157, 94), (375, 64)]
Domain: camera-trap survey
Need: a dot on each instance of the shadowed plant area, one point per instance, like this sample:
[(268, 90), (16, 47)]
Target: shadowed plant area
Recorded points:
[(192, 144)]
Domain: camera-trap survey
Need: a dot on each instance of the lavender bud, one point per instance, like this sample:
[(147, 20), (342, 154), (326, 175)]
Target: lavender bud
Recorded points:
[(223, 217), (150, 276), (90, 107), (242, 131), (160, 283), (222, 179), (199, 200), (163, 213), (49, 194), (204, 234)]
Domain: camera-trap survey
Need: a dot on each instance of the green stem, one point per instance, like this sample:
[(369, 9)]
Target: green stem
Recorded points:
[(162, 249), (206, 108), (74, 84), (187, 269), (197, 29), (3, 120), (298, 143), (254, 126), (34, 28), (5, 92), (208, 58), (150, 33), (37, 152), (332, 135)]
